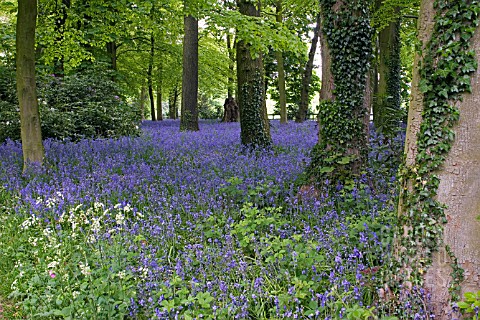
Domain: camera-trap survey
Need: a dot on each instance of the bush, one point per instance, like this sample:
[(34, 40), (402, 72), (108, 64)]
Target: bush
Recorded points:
[(87, 104)]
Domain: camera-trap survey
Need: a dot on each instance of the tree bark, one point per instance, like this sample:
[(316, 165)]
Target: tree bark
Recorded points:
[(231, 66), (142, 101), (459, 187), (59, 62), (189, 116), (281, 71), (31, 133), (307, 75), (112, 54), (388, 88), (159, 101), (150, 78), (253, 122), (460, 190)]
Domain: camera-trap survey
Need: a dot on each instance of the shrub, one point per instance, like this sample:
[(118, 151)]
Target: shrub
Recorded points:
[(87, 104)]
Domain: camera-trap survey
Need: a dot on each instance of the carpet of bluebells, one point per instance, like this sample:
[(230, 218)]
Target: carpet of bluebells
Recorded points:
[(189, 225)]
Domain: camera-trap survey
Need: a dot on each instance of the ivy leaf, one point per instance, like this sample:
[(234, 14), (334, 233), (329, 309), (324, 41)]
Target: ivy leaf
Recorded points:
[(326, 169), (423, 86)]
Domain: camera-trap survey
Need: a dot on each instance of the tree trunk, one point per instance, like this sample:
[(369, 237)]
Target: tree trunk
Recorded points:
[(189, 116), (31, 133), (341, 151), (281, 71), (326, 90), (159, 92), (59, 62), (159, 101), (231, 67), (112, 54), (388, 89), (171, 104), (150, 78), (307, 75), (142, 101), (456, 248), (250, 82)]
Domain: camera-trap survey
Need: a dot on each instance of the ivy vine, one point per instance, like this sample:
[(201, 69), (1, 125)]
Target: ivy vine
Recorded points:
[(342, 149), (253, 131), (445, 76)]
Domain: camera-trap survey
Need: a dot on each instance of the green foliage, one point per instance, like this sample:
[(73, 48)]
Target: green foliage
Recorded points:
[(342, 150), (76, 106), (62, 271), (470, 304), (9, 111), (294, 67), (445, 76)]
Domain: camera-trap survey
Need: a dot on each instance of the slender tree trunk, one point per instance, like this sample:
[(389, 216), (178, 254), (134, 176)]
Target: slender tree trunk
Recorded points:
[(189, 117), (388, 90), (457, 181), (253, 122), (307, 75), (31, 133), (159, 102), (59, 62), (112, 54), (176, 95), (281, 72), (142, 101), (150, 78), (171, 104), (231, 67), (159, 92)]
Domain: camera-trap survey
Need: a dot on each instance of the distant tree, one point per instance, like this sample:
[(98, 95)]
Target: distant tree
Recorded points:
[(307, 74), (31, 133)]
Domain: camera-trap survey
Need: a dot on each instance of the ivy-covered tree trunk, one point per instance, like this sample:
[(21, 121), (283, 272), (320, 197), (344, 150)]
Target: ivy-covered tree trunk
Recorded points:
[(341, 151), (150, 78), (439, 230), (387, 101), (281, 71), (307, 75), (31, 133), (189, 116), (253, 122)]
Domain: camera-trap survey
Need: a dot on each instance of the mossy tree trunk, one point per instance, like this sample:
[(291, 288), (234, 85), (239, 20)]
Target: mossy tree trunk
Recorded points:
[(31, 133), (189, 116), (141, 101), (307, 74), (439, 228), (253, 116)]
